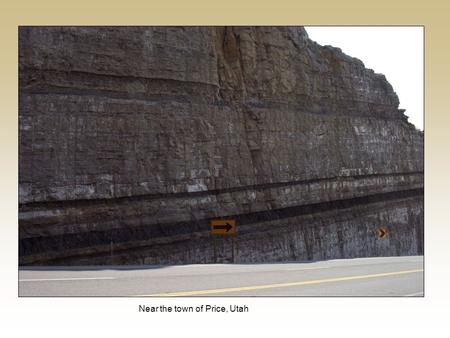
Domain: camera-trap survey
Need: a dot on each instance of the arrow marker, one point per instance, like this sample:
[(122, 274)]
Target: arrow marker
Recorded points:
[(382, 232), (223, 227), (226, 227)]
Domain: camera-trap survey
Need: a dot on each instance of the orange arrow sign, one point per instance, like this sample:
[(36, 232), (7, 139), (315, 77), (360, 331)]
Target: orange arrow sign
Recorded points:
[(382, 232), (223, 227)]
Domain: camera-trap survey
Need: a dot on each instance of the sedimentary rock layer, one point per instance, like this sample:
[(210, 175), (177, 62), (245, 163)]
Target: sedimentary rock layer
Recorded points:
[(133, 138)]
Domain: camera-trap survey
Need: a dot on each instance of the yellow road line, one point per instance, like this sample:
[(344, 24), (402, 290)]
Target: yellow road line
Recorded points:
[(279, 285)]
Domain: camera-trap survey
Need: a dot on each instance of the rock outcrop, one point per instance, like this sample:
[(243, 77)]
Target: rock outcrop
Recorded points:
[(133, 138)]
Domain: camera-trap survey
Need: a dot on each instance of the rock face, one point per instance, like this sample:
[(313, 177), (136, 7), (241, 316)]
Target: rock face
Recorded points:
[(133, 138)]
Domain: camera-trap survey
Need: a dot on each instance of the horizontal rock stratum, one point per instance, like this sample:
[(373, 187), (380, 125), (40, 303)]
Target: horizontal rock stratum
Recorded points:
[(131, 139)]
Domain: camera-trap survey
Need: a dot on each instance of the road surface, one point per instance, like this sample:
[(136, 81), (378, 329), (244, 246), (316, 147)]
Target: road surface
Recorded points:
[(382, 276)]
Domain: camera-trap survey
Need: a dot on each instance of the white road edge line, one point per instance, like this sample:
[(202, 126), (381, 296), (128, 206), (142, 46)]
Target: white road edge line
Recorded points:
[(420, 293), (301, 269), (63, 279)]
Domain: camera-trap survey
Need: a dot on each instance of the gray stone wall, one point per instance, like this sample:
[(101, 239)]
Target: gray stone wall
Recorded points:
[(130, 131)]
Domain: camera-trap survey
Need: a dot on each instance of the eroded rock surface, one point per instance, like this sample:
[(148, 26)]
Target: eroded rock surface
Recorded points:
[(133, 138)]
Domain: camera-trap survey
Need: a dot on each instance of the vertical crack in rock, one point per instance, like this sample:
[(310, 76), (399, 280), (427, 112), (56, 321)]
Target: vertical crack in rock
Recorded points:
[(132, 138)]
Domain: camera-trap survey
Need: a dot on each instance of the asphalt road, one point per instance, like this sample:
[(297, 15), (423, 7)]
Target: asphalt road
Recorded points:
[(383, 276)]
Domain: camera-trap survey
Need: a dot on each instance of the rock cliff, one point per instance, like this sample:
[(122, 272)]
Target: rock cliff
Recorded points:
[(131, 139)]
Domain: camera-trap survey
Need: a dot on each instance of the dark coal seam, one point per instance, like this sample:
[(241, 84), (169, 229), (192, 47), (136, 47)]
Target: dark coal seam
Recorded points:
[(55, 90), (60, 243), (257, 187), (24, 70), (136, 251)]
